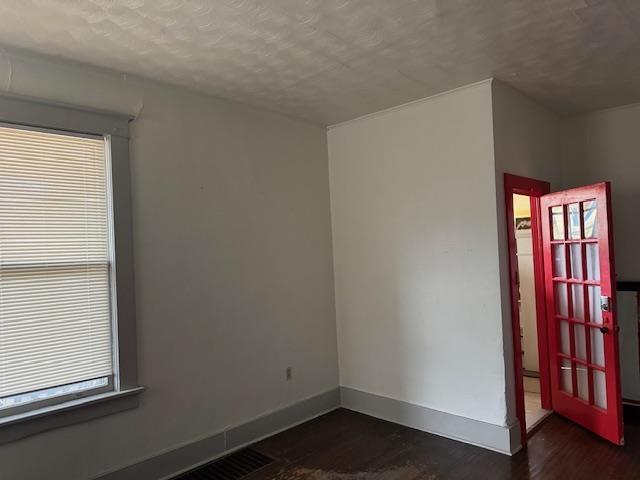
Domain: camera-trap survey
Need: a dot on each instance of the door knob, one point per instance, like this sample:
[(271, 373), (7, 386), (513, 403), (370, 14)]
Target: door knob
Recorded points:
[(604, 329)]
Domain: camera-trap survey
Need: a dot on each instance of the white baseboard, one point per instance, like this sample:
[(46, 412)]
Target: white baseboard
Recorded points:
[(500, 439)]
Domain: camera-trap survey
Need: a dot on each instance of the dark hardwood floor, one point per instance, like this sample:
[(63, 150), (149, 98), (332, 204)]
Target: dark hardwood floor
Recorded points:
[(344, 445)]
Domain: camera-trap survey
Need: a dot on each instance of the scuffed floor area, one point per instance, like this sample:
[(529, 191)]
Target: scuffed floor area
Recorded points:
[(408, 472)]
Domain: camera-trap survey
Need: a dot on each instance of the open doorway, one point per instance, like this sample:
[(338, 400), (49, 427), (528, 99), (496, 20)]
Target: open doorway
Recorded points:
[(575, 306), (534, 411), (532, 371)]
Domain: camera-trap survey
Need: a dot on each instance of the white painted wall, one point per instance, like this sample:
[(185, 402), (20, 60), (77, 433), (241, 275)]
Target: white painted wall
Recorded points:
[(526, 143), (233, 268), (415, 255), (601, 146)]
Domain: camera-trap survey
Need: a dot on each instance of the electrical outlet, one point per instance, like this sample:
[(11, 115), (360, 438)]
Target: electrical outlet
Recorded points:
[(288, 373)]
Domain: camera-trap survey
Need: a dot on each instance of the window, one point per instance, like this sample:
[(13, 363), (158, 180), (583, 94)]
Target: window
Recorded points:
[(56, 268), (67, 327)]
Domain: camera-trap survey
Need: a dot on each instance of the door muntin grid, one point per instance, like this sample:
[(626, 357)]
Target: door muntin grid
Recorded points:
[(578, 318)]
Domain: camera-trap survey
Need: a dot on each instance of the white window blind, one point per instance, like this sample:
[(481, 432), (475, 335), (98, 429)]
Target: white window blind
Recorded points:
[(55, 293)]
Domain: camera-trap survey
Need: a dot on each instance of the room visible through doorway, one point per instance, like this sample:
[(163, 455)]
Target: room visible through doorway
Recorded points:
[(534, 413)]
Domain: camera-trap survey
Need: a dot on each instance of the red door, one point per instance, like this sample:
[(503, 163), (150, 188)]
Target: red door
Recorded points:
[(581, 315)]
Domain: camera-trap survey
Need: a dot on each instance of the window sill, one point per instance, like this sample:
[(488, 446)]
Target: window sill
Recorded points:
[(29, 423)]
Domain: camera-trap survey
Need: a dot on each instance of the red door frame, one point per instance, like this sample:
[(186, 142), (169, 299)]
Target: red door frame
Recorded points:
[(534, 189)]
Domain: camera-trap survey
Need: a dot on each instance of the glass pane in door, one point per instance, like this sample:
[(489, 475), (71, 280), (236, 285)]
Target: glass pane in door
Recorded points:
[(565, 376), (597, 347), (574, 221), (576, 260), (577, 301), (583, 382), (595, 314), (593, 261), (589, 210), (562, 302), (559, 261), (557, 219), (580, 338), (600, 389), (565, 340)]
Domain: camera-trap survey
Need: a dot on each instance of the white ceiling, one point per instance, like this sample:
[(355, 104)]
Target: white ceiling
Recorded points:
[(332, 60)]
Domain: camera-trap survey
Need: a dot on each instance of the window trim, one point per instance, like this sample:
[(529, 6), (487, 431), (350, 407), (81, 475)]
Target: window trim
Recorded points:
[(30, 423), (58, 399), (114, 127), (113, 383)]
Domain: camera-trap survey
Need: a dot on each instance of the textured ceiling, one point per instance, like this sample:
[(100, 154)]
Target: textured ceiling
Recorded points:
[(332, 60)]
